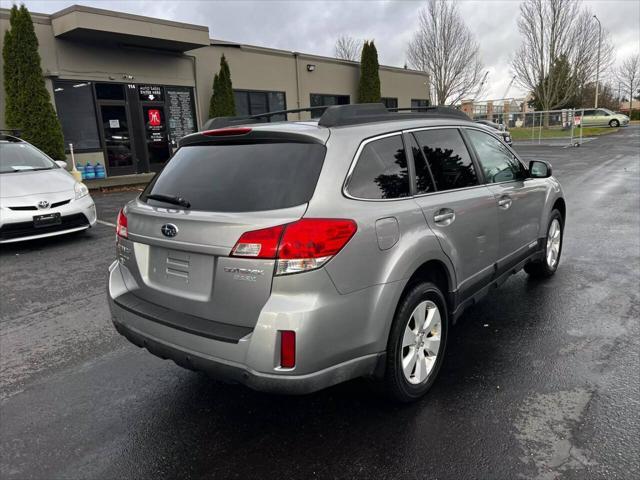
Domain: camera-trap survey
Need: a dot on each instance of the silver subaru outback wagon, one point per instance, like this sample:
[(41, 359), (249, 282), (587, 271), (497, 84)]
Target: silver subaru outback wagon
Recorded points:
[(293, 256)]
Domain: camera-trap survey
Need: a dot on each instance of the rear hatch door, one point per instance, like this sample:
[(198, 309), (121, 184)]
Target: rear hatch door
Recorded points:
[(181, 256)]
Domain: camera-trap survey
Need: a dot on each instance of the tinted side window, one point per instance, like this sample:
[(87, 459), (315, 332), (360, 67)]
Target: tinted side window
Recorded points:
[(498, 163), (448, 158), (381, 171), (424, 182)]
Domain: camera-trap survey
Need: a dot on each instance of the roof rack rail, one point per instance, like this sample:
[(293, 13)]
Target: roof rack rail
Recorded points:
[(343, 115), (221, 122)]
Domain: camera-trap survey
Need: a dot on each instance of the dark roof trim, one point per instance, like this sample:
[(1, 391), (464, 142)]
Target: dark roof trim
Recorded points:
[(127, 16)]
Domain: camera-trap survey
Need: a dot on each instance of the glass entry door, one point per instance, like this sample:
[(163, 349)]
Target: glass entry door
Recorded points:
[(117, 140)]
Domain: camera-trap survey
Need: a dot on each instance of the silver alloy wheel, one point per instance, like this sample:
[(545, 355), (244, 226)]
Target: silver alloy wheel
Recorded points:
[(554, 237), (421, 342)]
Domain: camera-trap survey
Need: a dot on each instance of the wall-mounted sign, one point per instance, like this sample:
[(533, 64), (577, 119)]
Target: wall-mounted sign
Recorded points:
[(155, 137), (154, 118), (150, 93), (181, 113)]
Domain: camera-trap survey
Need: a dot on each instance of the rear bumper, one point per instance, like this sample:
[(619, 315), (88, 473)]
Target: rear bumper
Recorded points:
[(237, 373), (325, 355)]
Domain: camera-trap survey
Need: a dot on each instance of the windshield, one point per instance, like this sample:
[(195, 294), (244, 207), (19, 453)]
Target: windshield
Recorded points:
[(16, 157), (240, 177)]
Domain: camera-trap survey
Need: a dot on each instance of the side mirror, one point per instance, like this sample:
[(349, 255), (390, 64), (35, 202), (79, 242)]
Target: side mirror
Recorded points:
[(61, 163), (539, 169)]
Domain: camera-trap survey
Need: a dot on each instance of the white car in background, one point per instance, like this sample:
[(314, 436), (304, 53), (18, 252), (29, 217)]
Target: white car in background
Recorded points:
[(38, 197)]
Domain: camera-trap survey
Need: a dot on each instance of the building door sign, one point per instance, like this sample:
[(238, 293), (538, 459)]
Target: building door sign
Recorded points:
[(150, 93), (154, 118)]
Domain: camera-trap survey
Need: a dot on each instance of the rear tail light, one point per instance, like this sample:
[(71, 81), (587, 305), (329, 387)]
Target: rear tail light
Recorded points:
[(121, 225), (258, 243), (298, 247), (287, 348)]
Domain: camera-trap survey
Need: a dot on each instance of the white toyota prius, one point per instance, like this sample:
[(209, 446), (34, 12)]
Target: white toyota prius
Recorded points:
[(38, 197)]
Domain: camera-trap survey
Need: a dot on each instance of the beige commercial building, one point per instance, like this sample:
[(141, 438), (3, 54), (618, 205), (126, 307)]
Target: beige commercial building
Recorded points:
[(126, 87)]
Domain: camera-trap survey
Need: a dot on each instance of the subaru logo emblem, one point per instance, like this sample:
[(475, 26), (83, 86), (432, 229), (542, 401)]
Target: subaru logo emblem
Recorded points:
[(169, 230), (42, 204)]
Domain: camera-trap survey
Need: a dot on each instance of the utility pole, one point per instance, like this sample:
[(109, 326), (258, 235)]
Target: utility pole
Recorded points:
[(598, 64)]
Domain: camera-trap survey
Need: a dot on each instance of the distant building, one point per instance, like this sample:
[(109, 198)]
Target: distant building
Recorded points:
[(495, 109), (624, 106)]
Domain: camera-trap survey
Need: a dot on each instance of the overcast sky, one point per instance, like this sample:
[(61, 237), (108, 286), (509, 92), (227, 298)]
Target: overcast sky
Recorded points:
[(312, 26)]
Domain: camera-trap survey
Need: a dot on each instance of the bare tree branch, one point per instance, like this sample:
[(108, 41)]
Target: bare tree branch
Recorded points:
[(348, 48), (629, 76), (445, 49), (552, 29)]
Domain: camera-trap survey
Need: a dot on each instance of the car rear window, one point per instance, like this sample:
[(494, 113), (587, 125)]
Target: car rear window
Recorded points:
[(241, 177)]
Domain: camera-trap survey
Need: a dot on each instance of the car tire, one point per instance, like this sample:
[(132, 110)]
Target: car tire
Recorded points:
[(415, 352), (614, 123), (548, 265)]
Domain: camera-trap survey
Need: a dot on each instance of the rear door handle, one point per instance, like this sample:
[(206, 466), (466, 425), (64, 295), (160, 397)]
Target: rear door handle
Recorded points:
[(444, 217), (505, 202)]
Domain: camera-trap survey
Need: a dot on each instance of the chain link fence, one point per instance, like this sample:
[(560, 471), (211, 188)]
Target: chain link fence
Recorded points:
[(550, 127)]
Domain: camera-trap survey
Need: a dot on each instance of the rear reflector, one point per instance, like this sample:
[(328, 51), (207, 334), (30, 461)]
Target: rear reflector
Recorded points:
[(122, 225), (223, 132), (287, 348), (299, 246)]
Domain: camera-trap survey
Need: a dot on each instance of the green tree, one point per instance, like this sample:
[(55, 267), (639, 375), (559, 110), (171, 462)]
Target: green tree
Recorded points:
[(222, 103), (215, 97), (28, 106), (369, 88), (562, 82)]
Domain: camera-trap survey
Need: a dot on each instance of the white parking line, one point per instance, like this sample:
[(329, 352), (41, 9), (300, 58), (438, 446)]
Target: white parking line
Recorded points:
[(102, 222)]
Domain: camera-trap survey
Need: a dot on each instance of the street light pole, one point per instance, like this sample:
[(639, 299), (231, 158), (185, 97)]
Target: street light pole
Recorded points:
[(598, 64)]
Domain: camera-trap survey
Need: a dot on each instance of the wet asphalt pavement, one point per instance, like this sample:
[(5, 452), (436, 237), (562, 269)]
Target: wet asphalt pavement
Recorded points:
[(541, 380)]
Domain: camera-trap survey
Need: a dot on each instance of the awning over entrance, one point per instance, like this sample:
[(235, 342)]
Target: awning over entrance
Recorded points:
[(88, 24)]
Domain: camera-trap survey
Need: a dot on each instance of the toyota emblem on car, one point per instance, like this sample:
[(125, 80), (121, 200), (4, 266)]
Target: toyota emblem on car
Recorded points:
[(169, 230), (42, 204)]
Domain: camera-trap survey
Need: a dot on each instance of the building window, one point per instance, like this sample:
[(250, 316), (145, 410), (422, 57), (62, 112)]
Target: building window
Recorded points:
[(419, 103), (255, 102), (77, 114), (109, 91), (479, 109), (321, 100), (390, 102)]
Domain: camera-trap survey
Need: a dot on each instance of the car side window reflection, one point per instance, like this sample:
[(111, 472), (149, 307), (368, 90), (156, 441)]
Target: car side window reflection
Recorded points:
[(498, 163), (424, 182), (448, 158), (381, 171)]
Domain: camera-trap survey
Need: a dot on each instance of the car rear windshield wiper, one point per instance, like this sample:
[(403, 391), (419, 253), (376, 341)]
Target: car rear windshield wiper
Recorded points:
[(174, 199)]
